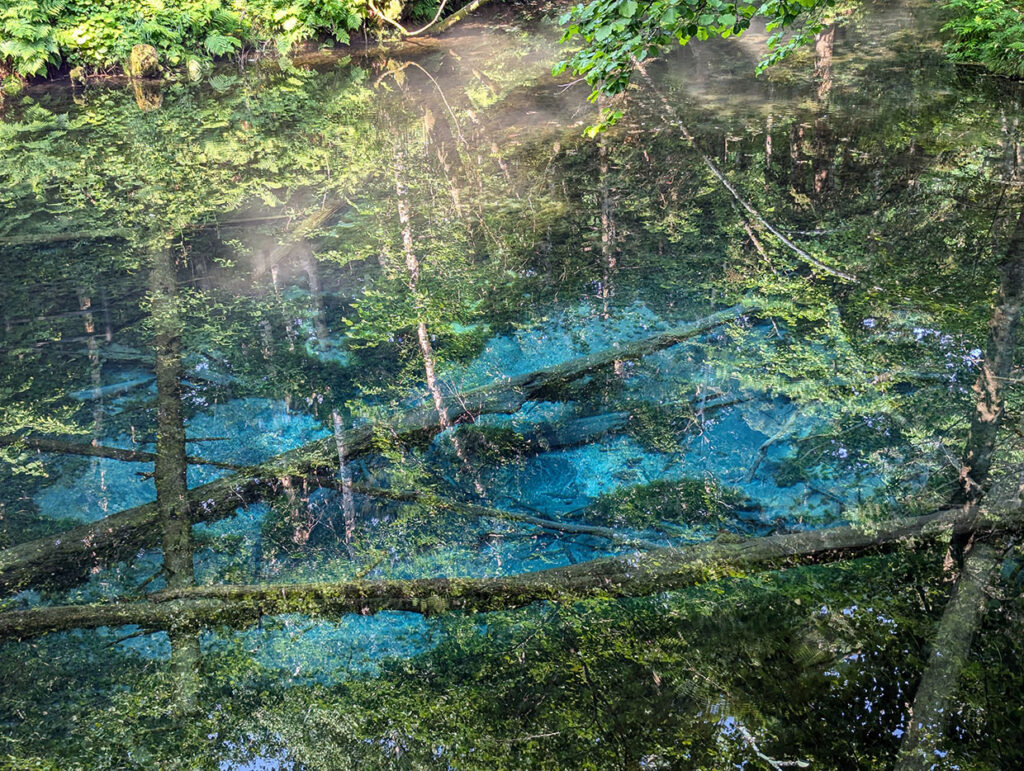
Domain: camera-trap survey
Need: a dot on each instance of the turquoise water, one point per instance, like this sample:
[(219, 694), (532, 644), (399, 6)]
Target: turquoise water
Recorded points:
[(353, 238)]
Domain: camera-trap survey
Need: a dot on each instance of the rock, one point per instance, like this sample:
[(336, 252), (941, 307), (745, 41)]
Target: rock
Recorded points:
[(143, 62)]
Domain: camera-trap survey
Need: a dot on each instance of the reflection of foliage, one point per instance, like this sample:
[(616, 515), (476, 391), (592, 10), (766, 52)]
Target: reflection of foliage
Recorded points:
[(492, 445), (790, 657), (690, 501), (610, 684)]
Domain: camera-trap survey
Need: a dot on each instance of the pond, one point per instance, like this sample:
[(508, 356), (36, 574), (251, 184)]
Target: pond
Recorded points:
[(365, 411)]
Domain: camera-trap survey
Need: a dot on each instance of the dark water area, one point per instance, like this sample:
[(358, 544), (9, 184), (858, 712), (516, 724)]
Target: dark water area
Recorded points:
[(391, 317)]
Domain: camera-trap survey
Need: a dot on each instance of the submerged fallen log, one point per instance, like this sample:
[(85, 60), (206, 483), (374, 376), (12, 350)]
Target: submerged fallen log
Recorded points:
[(67, 558), (64, 447), (620, 577)]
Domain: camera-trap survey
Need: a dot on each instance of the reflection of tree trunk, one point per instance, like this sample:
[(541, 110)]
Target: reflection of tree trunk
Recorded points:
[(171, 463), (609, 244), (66, 558), (935, 698), (95, 365), (170, 467), (412, 265), (316, 298), (184, 666), (824, 142), (348, 507), (796, 141), (995, 369), (634, 575), (300, 518), (95, 375), (440, 135), (717, 173)]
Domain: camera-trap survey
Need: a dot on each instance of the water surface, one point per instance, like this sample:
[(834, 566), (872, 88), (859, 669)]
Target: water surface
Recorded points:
[(347, 241)]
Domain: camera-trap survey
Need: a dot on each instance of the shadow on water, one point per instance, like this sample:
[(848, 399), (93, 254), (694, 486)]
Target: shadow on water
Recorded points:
[(386, 319)]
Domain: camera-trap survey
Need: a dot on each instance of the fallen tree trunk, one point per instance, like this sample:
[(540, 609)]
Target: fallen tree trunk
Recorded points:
[(64, 447), (458, 16), (619, 577), (67, 558), (27, 239)]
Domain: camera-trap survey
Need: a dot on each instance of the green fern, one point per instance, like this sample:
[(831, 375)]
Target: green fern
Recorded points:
[(221, 45), (28, 40)]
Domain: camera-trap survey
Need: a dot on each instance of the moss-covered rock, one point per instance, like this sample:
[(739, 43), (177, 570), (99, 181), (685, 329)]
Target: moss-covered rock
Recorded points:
[(143, 62)]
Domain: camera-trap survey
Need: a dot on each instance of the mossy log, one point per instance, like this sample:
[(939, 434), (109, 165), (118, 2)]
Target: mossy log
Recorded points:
[(619, 577), (64, 559)]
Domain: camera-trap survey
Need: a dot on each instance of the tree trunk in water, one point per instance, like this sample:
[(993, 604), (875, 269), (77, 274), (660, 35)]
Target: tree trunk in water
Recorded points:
[(170, 468), (65, 447), (636, 575)]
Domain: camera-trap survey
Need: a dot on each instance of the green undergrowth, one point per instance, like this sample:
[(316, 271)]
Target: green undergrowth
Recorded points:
[(38, 37), (987, 32)]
